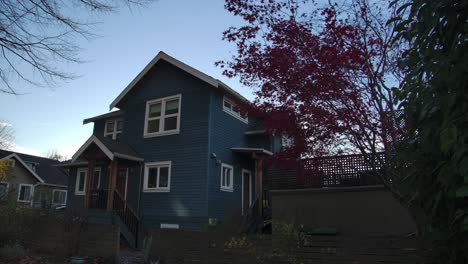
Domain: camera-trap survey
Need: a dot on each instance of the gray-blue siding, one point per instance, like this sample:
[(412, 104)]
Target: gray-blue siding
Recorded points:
[(205, 128), (185, 204), (226, 132)]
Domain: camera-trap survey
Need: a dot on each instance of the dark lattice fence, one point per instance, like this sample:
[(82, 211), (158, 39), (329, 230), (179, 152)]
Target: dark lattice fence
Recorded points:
[(333, 171)]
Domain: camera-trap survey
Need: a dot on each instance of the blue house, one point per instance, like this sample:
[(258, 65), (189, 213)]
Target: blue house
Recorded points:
[(178, 153)]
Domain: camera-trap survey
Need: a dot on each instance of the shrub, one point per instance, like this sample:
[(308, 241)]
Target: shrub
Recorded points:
[(16, 221), (12, 251)]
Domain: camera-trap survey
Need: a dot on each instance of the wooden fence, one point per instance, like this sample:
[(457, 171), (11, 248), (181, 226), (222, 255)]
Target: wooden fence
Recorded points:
[(180, 247), (333, 171)]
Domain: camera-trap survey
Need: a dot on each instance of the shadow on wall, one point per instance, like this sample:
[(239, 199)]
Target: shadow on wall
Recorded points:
[(349, 211)]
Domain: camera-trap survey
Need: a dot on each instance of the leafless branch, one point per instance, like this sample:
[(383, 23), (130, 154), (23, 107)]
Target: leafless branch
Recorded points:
[(37, 38)]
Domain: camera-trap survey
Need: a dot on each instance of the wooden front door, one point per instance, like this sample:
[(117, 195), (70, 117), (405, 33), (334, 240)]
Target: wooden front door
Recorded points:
[(121, 182), (247, 195)]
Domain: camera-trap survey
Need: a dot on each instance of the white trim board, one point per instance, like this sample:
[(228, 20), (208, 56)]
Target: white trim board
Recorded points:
[(163, 56), (25, 165)]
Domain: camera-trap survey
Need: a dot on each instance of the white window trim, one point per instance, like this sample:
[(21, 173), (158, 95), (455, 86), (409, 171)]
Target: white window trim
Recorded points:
[(169, 226), (53, 195), (99, 179), (19, 192), (114, 132), (157, 164), (7, 188), (162, 117), (231, 187), (78, 176), (231, 112)]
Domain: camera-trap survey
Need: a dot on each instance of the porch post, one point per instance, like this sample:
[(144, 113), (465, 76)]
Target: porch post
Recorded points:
[(112, 182), (259, 183), (89, 183)]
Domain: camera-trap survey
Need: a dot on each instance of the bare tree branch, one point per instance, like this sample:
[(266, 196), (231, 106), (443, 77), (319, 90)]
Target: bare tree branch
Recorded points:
[(6, 135), (37, 38)]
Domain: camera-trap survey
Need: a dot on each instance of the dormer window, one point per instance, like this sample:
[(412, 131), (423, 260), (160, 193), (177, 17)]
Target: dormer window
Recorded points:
[(113, 129), (162, 116), (31, 165), (10, 163), (231, 108)]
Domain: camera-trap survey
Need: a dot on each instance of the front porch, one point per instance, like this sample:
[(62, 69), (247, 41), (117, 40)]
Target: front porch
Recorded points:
[(107, 167)]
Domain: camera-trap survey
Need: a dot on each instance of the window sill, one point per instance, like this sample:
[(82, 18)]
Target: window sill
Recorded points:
[(156, 190), (227, 189), (150, 135), (79, 193), (21, 201)]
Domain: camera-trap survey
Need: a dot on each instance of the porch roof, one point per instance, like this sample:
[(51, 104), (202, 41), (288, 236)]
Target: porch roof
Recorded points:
[(111, 148), (258, 151)]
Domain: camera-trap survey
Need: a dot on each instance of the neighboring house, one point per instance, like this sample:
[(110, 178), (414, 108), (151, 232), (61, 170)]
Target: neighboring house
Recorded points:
[(178, 153), (33, 181)]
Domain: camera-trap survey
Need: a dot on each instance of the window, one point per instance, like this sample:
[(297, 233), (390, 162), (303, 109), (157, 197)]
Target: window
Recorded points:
[(80, 181), (59, 197), (3, 190), (82, 177), (231, 108), (162, 116), (32, 165), (157, 177), (113, 129), (227, 177), (25, 193), (169, 226), (97, 179), (286, 141), (10, 163)]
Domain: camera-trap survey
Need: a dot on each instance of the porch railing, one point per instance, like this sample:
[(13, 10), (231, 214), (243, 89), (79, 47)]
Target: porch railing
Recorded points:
[(252, 219), (126, 214), (98, 199)]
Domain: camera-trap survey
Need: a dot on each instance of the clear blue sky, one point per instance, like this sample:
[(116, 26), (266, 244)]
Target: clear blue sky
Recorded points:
[(191, 31)]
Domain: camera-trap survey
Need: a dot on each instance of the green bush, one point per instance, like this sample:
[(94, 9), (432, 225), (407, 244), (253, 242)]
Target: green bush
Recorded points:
[(12, 251), (16, 221)]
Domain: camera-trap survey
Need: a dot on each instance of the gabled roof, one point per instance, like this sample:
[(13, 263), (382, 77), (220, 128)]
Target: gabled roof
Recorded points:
[(45, 172), (111, 148), (200, 75)]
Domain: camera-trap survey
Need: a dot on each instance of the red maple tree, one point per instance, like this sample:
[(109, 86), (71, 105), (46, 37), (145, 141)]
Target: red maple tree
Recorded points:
[(321, 74)]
